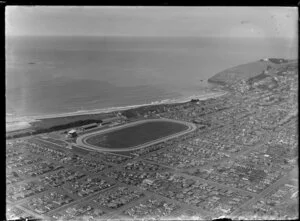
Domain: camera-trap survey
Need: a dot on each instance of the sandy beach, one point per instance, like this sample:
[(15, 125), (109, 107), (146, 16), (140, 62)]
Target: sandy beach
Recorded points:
[(16, 123)]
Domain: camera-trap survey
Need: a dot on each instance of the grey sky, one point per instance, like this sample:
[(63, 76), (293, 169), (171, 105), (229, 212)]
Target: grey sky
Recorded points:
[(153, 21)]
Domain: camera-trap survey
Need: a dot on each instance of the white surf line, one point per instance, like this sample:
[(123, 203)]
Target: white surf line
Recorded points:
[(129, 107)]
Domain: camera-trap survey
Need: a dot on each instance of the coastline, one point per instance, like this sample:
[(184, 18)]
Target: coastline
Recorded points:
[(18, 123)]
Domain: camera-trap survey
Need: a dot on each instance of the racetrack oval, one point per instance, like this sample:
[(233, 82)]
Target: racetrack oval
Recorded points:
[(135, 135)]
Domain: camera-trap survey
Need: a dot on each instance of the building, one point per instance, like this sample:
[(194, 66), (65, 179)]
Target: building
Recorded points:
[(194, 100), (72, 133), (264, 59), (89, 126)]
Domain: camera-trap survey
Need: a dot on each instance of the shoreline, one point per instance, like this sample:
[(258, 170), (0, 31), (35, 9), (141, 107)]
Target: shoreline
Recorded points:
[(23, 122)]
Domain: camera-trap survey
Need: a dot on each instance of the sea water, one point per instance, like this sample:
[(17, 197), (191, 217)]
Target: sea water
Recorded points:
[(54, 75)]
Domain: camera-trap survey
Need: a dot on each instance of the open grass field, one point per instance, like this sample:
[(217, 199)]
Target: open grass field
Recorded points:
[(136, 135)]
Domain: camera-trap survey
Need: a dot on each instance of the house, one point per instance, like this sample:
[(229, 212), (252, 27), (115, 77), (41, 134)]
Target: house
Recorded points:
[(264, 59), (194, 100)]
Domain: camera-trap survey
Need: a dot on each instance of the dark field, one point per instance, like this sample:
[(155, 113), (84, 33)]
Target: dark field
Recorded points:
[(136, 135)]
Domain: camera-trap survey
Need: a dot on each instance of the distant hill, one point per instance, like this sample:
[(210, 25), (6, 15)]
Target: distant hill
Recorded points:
[(246, 71)]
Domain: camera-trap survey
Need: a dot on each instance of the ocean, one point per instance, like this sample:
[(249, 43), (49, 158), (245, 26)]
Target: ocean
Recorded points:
[(54, 75)]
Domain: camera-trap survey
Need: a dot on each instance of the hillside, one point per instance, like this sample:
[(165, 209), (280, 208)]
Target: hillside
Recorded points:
[(247, 71)]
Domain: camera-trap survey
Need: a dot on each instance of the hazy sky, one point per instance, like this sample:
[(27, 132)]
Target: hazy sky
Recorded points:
[(153, 21)]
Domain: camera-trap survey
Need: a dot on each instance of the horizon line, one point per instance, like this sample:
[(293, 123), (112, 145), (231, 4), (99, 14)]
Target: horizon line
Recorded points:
[(152, 36)]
